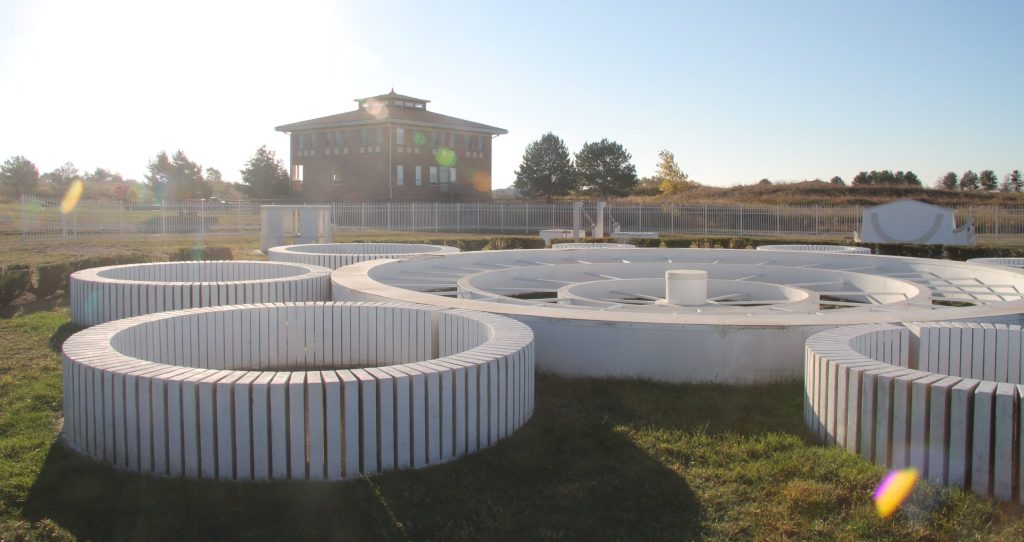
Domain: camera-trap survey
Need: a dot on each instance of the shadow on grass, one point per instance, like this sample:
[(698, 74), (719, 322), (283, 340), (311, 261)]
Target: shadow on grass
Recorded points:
[(62, 333), (568, 474)]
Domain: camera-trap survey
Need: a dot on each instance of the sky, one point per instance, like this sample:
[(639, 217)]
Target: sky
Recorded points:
[(738, 90)]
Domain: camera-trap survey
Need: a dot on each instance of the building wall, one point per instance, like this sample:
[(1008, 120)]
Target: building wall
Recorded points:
[(353, 165)]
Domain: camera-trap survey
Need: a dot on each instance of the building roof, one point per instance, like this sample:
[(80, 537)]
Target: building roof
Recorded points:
[(392, 96), (386, 111)]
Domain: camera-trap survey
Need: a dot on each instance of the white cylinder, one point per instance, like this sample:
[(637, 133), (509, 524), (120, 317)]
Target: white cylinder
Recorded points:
[(686, 287)]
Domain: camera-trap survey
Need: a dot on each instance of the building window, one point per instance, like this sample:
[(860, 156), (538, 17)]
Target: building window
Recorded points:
[(451, 175), (297, 173), (344, 138), (330, 139), (380, 136), (444, 175), (312, 141), (400, 136), (364, 137), (336, 175), (466, 141), (480, 143), (433, 140), (419, 176), (302, 141), (400, 175), (433, 174)]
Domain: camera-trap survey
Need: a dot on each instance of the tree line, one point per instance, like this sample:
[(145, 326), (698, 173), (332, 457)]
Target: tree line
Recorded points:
[(602, 168), (172, 177)]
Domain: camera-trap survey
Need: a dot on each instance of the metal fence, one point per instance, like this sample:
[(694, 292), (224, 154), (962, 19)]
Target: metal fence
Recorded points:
[(42, 219)]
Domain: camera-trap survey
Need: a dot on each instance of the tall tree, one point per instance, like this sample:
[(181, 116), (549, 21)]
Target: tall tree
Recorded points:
[(907, 178), (837, 180), (948, 181), (969, 181), (673, 180), (265, 177), (176, 178), (213, 175), (547, 170), (1017, 181), (19, 176), (61, 177), (605, 169), (988, 180)]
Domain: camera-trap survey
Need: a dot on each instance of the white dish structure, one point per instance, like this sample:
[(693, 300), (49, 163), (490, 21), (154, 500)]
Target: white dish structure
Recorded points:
[(840, 249), (335, 255), (602, 312)]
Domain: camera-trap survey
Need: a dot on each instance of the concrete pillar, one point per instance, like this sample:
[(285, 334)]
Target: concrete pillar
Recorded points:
[(577, 212), (599, 228), (686, 287)]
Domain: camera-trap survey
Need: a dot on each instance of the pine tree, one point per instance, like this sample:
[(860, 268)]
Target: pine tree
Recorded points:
[(605, 168), (948, 181), (988, 180), (969, 181), (265, 176), (547, 170)]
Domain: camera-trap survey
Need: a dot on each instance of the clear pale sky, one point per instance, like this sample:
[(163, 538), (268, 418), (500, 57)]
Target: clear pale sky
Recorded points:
[(738, 90)]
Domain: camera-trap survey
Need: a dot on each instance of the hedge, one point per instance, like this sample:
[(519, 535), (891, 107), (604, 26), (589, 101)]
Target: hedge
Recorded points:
[(14, 281)]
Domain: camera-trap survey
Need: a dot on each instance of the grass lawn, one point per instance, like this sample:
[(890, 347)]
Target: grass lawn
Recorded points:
[(600, 460)]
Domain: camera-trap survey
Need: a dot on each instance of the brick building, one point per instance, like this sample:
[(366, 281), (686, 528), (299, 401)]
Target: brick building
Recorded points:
[(391, 148)]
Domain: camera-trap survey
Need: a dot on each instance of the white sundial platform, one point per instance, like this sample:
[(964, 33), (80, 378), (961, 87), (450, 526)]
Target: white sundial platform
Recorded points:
[(601, 312)]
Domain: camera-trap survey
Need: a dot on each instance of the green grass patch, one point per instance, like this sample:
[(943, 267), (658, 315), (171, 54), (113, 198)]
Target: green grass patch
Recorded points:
[(600, 460)]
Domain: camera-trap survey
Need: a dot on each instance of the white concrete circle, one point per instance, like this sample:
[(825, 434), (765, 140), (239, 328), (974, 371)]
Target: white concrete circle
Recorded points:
[(335, 255), (299, 391), (616, 330), (942, 397), (818, 248), (102, 294)]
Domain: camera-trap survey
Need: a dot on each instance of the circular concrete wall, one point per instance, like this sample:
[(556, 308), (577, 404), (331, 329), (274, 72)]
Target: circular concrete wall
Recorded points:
[(943, 398), (299, 391), (335, 255), (102, 294)]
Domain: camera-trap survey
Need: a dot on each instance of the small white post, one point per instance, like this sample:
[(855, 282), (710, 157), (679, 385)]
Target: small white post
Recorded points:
[(599, 228)]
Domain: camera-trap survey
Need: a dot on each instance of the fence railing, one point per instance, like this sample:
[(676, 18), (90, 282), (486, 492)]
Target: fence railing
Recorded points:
[(42, 219)]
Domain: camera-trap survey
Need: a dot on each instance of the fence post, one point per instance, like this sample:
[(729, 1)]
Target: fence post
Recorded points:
[(997, 222), (163, 218), (778, 220), (741, 219), (817, 211), (501, 208), (435, 217), (672, 218), (74, 222), (120, 217)]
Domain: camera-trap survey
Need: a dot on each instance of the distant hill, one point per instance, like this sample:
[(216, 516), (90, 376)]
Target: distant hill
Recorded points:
[(823, 193)]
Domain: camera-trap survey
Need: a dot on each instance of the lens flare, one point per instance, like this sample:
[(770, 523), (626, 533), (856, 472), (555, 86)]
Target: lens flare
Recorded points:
[(445, 157), (71, 197), (419, 139), (893, 490)]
